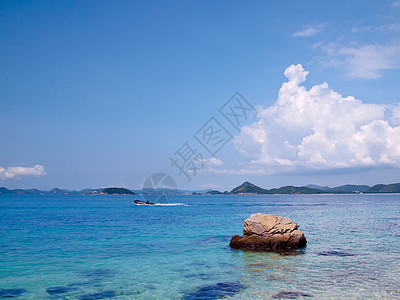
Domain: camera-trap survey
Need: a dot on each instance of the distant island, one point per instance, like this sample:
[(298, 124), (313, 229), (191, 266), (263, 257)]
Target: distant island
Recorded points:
[(245, 188), (57, 191), (117, 191), (249, 188)]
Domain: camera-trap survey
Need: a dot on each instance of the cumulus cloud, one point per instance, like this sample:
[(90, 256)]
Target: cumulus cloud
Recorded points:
[(17, 172), (212, 161), (213, 164), (319, 129), (364, 61), (395, 116), (391, 27), (309, 30), (242, 171)]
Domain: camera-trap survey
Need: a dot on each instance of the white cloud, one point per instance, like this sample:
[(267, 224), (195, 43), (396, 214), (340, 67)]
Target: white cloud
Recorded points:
[(17, 172), (242, 171), (365, 61), (212, 162), (396, 4), (319, 129), (309, 30), (395, 116), (316, 45), (391, 27)]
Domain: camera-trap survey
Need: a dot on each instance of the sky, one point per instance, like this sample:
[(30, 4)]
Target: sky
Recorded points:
[(100, 93)]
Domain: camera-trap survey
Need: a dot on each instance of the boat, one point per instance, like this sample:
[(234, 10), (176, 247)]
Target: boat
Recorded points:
[(140, 202)]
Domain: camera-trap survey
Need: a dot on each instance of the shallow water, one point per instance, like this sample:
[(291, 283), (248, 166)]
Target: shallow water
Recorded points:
[(104, 247)]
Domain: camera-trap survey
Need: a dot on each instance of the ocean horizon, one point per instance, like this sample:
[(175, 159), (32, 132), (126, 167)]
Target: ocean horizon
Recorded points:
[(286, 115), (105, 247)]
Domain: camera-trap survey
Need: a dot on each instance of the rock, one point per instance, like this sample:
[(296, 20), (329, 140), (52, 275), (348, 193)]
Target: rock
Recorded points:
[(99, 273), (290, 295), (11, 293), (216, 291), (335, 253), (55, 290), (269, 233), (101, 295)]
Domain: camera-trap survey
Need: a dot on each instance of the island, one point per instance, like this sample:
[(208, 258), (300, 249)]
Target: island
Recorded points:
[(117, 191), (246, 188)]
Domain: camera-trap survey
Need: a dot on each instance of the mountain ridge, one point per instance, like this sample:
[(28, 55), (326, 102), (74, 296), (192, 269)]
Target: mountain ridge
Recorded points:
[(249, 188), (245, 188)]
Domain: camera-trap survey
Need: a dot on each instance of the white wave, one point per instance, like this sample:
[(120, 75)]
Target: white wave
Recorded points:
[(171, 204)]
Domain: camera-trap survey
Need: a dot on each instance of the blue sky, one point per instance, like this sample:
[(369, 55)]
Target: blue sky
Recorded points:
[(95, 93)]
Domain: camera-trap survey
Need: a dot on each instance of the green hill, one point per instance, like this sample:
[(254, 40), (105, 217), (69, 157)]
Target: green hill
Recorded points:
[(213, 192), (350, 188), (117, 191), (296, 190), (343, 189), (384, 188), (244, 188), (248, 188)]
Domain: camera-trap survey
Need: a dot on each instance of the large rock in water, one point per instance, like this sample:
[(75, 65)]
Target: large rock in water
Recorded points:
[(269, 233)]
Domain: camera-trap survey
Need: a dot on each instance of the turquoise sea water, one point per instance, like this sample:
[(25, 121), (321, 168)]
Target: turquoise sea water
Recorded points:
[(102, 247)]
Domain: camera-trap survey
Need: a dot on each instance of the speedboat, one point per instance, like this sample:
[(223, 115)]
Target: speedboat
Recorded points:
[(140, 202)]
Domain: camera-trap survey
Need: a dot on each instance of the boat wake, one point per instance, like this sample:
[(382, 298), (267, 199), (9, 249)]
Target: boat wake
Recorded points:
[(147, 203), (171, 204)]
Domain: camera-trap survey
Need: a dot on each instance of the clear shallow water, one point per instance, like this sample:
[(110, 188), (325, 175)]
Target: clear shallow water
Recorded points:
[(98, 247)]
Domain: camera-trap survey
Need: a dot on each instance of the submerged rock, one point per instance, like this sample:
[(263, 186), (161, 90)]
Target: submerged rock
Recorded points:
[(290, 295), (216, 291), (269, 233), (204, 276), (56, 290), (11, 293), (99, 273), (335, 253), (101, 295)]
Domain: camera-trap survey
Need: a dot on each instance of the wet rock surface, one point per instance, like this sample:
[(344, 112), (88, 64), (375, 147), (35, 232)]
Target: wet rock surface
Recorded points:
[(269, 233)]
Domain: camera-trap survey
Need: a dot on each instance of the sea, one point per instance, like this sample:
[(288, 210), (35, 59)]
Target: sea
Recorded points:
[(105, 247)]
